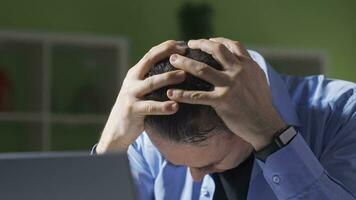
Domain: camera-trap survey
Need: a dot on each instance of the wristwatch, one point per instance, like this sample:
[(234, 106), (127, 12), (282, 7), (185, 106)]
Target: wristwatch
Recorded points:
[(280, 139)]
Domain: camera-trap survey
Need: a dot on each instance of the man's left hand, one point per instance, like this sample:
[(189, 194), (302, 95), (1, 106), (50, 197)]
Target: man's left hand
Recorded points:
[(241, 95)]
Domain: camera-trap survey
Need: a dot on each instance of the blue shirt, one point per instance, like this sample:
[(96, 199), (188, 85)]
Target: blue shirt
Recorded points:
[(319, 163)]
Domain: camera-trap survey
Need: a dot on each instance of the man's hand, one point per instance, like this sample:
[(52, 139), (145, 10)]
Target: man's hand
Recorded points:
[(241, 96), (126, 120)]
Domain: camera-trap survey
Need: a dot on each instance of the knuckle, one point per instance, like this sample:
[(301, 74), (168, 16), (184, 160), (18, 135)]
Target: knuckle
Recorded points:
[(170, 42), (238, 70), (178, 94), (219, 47), (165, 108), (149, 83), (129, 73), (197, 42), (134, 88), (151, 49), (222, 95), (196, 95), (184, 61), (201, 70), (203, 40), (169, 76), (129, 109), (148, 55), (237, 43), (230, 80), (169, 45), (150, 108)]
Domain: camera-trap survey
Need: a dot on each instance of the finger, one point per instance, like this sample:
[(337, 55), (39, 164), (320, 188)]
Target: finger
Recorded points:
[(157, 54), (160, 80), (192, 97), (234, 46), (219, 52), (199, 69), (150, 107)]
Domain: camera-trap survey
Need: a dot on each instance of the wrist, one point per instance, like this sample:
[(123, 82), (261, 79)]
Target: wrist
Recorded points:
[(280, 139), (266, 137), (107, 145), (113, 138), (260, 143)]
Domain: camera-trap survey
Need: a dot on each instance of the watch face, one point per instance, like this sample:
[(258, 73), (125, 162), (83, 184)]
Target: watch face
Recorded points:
[(287, 135)]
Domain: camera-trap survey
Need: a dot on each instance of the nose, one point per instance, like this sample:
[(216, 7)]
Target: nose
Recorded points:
[(197, 174)]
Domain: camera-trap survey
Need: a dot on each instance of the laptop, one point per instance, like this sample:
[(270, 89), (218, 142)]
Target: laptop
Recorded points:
[(65, 176)]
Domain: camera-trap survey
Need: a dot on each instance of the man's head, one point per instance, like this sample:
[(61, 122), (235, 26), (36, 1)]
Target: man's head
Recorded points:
[(195, 135), (191, 123)]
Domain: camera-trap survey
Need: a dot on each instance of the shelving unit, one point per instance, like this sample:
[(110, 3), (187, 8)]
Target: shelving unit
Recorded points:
[(62, 86), (297, 62)]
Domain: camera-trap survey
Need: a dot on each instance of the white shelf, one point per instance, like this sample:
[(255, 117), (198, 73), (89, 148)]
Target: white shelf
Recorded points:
[(53, 118), (302, 62), (20, 117), (78, 119), (45, 43)]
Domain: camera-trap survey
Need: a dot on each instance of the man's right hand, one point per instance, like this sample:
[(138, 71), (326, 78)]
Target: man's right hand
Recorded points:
[(126, 120)]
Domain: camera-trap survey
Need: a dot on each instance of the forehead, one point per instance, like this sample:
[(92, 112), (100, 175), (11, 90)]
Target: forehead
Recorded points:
[(204, 153)]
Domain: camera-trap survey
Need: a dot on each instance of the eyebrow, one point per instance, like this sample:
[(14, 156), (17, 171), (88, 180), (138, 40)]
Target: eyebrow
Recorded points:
[(208, 130), (206, 134)]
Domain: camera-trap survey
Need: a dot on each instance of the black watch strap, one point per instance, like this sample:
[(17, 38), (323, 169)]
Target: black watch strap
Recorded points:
[(265, 152), (280, 139)]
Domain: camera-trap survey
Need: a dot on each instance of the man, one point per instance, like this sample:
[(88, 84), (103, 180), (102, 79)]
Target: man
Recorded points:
[(212, 120)]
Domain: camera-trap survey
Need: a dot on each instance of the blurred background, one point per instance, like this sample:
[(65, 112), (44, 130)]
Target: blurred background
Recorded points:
[(62, 62)]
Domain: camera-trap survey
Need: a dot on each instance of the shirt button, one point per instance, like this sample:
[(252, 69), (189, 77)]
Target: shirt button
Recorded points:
[(276, 179), (206, 193)]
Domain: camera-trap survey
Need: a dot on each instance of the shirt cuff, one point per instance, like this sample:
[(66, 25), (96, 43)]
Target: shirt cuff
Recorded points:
[(292, 169), (93, 150)]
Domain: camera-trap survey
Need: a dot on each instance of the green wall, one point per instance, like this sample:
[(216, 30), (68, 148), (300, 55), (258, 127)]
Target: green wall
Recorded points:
[(327, 25)]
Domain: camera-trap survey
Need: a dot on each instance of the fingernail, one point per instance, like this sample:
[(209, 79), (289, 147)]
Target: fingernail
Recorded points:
[(170, 93), (173, 58), (180, 73), (182, 44), (174, 106)]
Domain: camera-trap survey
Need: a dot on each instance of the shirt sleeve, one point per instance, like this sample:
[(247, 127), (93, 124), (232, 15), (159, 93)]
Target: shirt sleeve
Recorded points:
[(142, 176), (294, 172), (93, 150)]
